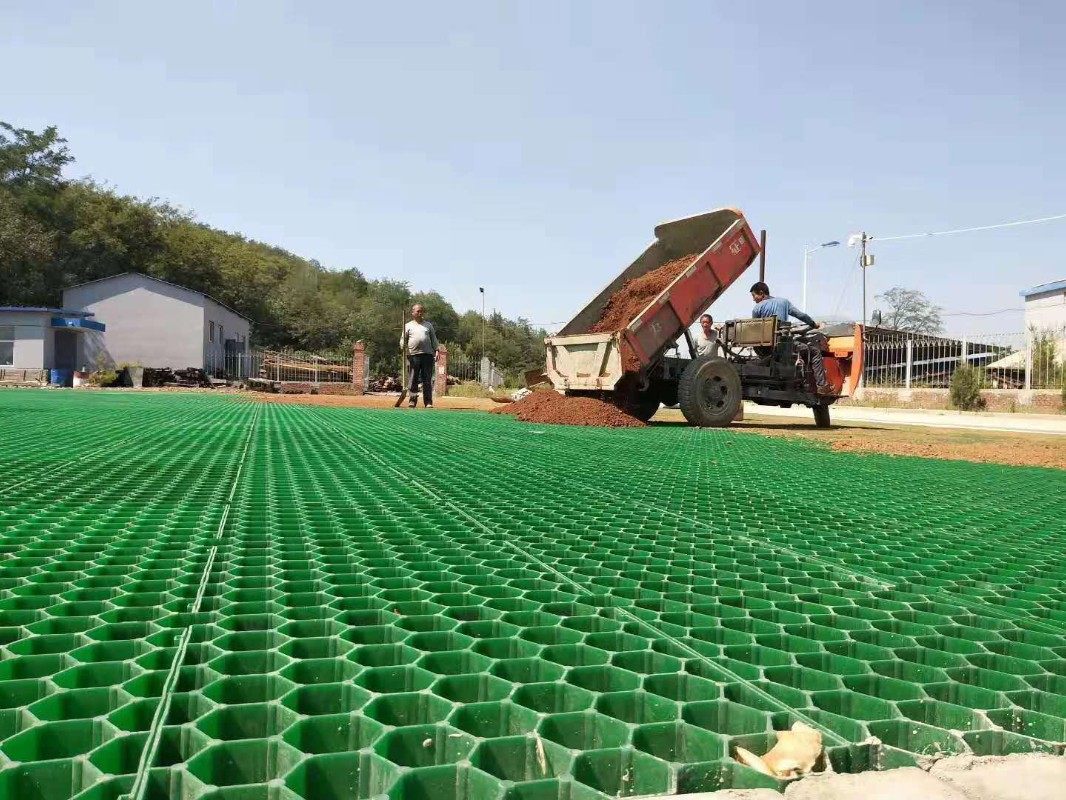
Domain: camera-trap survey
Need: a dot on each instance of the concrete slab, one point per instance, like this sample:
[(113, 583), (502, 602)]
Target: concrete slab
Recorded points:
[(966, 420), (908, 783), (723, 794), (1015, 777)]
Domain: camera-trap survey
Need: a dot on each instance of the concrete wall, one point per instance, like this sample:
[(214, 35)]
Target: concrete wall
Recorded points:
[(33, 338), (150, 323), (226, 323), (92, 349), (1046, 311)]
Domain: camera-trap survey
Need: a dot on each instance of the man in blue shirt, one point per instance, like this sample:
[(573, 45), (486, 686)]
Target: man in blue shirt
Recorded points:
[(782, 308)]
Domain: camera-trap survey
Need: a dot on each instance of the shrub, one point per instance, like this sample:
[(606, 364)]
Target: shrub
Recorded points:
[(966, 388)]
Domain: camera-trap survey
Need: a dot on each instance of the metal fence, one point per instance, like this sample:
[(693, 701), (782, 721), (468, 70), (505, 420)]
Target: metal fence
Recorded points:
[(481, 370), (462, 367), (281, 365), (1034, 359)]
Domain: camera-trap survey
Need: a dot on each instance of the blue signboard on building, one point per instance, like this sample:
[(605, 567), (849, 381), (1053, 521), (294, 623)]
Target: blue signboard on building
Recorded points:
[(77, 322)]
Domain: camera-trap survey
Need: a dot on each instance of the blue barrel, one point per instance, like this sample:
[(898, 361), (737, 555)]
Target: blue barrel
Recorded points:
[(61, 377)]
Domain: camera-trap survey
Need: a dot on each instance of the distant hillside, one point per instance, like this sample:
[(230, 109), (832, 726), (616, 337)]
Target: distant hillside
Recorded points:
[(55, 232)]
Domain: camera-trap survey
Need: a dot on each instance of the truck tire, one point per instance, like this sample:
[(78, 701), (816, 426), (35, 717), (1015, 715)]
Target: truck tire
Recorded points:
[(667, 392), (709, 392), (821, 415), (644, 405)]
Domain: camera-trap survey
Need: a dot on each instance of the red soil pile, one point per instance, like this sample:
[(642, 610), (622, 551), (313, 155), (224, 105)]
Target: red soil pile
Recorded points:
[(635, 295), (552, 408)]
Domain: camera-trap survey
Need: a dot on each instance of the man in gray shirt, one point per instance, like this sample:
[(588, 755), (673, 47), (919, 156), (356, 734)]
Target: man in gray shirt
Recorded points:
[(420, 345), (707, 339)]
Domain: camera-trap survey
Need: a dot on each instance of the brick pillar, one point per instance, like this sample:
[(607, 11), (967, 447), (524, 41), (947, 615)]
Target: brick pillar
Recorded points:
[(358, 366), (440, 382)]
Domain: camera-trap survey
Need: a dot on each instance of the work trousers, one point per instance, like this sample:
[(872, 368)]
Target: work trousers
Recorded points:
[(812, 356), (421, 368)]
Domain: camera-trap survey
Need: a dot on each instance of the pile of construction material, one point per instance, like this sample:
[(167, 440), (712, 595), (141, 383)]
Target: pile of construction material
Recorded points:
[(189, 377), (292, 367), (299, 387)]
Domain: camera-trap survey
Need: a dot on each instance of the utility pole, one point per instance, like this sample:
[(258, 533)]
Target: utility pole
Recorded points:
[(762, 255), (863, 262), (484, 322)]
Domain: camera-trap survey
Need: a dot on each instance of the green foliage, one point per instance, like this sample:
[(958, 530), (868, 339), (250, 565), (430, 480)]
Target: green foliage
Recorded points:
[(30, 159), (965, 388), (55, 233), (1048, 370), (102, 375), (909, 310), (107, 377)]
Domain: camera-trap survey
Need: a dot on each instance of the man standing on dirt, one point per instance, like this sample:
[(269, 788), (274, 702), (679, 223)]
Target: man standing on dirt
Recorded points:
[(768, 306), (420, 345)]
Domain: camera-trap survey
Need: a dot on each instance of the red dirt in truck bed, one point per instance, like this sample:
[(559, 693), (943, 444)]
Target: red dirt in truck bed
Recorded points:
[(551, 408), (635, 295)]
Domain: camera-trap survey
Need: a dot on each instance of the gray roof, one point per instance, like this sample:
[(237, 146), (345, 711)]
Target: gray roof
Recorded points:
[(167, 283), (1054, 286)]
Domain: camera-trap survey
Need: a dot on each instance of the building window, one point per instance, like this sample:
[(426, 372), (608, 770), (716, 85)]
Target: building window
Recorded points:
[(7, 345), (221, 336), (211, 335)]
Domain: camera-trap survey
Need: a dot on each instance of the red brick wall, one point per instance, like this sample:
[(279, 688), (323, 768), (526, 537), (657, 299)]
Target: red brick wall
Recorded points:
[(358, 367), (440, 377)]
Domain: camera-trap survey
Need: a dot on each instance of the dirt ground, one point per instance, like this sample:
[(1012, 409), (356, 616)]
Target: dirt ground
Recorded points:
[(1013, 449), (552, 408)]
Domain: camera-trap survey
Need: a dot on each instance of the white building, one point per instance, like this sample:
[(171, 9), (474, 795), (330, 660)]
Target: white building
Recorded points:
[(157, 324), (38, 338), (1045, 307)]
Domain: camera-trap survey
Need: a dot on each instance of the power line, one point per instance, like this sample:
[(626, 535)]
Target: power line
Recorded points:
[(846, 286), (980, 313), (968, 230)]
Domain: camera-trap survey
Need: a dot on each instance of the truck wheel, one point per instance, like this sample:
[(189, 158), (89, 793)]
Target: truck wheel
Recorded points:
[(821, 415), (709, 392), (645, 405), (641, 405), (667, 392)]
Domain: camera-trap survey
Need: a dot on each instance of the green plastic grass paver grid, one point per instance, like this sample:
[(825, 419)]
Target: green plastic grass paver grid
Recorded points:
[(343, 613)]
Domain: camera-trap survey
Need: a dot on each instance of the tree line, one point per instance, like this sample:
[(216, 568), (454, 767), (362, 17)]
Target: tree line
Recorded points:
[(57, 232)]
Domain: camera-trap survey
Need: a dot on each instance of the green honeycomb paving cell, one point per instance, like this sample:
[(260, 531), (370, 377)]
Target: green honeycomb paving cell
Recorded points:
[(236, 600)]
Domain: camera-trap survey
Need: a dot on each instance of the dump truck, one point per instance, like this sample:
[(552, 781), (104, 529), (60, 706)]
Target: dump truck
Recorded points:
[(639, 367)]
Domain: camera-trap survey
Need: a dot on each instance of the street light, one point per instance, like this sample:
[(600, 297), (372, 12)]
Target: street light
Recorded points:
[(806, 258), (482, 370)]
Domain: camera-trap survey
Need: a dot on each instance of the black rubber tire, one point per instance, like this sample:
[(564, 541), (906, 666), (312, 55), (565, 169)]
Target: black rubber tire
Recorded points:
[(821, 415), (644, 405), (667, 392), (709, 392)]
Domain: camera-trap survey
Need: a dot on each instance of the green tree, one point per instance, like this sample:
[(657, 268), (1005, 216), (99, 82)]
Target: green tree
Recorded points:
[(1048, 367), (380, 319), (910, 310), (29, 159), (55, 232), (103, 233), (965, 388)]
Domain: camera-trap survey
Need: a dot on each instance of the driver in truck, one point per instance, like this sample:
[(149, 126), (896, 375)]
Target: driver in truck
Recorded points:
[(768, 306)]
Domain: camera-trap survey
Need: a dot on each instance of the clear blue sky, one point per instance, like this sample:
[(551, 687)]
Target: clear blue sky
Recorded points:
[(530, 147)]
